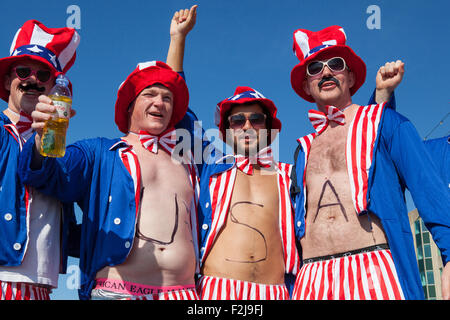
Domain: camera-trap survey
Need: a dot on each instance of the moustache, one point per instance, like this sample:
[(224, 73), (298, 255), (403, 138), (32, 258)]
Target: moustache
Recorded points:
[(241, 133), (31, 86), (329, 78)]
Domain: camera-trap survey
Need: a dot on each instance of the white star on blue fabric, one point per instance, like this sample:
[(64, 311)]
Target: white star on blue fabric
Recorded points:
[(236, 97), (35, 49), (53, 59), (256, 94)]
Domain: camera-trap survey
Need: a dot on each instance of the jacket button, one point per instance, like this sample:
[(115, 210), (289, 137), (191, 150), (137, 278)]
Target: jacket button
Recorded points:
[(117, 221), (110, 198), (204, 226), (207, 205), (8, 217), (299, 223), (17, 246), (127, 244)]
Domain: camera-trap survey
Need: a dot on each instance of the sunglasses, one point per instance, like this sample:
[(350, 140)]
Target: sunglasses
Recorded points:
[(238, 120), (23, 73), (336, 64)]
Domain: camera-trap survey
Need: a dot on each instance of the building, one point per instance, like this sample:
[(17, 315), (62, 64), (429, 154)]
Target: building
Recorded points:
[(428, 258)]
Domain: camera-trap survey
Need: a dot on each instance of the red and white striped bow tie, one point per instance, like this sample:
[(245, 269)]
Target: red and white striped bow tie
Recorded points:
[(167, 141), (320, 120), (263, 158), (24, 125)]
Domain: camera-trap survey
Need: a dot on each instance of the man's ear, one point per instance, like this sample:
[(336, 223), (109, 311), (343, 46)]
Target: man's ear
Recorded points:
[(351, 79), (129, 112), (7, 83)]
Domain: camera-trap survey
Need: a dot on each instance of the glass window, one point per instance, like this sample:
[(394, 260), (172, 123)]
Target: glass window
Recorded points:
[(430, 277), (422, 225), (429, 264), (421, 264), (419, 240), (425, 292), (427, 250), (426, 237), (417, 227), (419, 252), (431, 292), (422, 278)]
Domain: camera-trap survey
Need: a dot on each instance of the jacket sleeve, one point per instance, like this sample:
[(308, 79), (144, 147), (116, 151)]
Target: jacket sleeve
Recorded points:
[(390, 103), (65, 178), (418, 172)]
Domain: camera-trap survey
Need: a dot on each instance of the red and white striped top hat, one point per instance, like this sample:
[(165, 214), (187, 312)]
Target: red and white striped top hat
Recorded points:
[(55, 47), (326, 43)]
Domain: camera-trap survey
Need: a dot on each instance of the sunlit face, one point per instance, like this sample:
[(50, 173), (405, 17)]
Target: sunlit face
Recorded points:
[(152, 109), (23, 94), (246, 139), (330, 87)]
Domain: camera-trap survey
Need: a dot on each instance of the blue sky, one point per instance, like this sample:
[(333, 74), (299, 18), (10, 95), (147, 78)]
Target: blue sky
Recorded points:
[(246, 42)]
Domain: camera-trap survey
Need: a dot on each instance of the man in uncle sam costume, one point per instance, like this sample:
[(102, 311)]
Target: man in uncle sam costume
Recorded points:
[(31, 253), (351, 217), (139, 230), (247, 232)]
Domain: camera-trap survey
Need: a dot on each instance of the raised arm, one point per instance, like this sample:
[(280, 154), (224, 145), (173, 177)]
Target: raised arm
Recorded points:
[(182, 23), (388, 78)]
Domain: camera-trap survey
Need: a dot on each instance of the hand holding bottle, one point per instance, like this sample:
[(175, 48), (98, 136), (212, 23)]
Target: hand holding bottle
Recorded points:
[(53, 134), (43, 112)]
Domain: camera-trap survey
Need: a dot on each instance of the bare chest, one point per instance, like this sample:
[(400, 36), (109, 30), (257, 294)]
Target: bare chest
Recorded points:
[(161, 170), (328, 153), (258, 190), (248, 246)]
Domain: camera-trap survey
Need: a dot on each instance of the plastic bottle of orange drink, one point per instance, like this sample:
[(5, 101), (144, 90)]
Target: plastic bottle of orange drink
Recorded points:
[(53, 140)]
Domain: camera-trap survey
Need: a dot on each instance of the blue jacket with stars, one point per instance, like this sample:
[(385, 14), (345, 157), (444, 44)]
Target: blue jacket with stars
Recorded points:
[(14, 218)]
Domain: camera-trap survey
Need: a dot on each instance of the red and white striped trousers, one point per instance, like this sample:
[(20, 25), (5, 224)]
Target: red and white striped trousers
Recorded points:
[(23, 291), (214, 288), (362, 276)]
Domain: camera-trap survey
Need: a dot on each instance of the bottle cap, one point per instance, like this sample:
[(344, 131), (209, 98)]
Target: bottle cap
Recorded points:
[(61, 79)]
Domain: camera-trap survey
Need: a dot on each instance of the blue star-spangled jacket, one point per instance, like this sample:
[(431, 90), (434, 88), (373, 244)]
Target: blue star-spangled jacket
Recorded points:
[(400, 160), (14, 222)]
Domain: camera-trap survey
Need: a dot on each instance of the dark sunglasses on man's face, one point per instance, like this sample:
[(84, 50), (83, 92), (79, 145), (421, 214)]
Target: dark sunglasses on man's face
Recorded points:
[(336, 64), (238, 120), (23, 73)]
